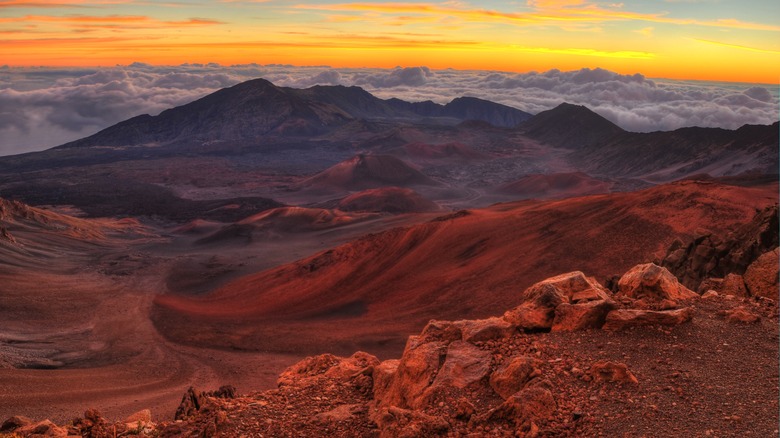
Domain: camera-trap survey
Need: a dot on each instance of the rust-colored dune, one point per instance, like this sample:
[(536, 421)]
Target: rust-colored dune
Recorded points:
[(555, 185), (368, 293), (388, 200)]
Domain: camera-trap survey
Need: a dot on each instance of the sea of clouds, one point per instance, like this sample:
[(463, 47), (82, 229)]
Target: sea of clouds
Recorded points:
[(44, 107)]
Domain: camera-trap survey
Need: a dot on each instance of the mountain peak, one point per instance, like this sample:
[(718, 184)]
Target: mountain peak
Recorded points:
[(570, 126)]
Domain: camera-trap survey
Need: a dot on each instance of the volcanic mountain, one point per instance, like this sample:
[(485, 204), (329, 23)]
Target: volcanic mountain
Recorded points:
[(570, 126), (258, 108), (257, 140)]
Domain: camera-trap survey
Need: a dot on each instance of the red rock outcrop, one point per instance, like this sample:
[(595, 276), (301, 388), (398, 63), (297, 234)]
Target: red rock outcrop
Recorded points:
[(586, 304), (625, 318), (761, 277), (653, 283), (711, 255)]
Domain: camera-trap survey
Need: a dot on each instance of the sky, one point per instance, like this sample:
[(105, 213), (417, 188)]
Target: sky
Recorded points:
[(723, 40)]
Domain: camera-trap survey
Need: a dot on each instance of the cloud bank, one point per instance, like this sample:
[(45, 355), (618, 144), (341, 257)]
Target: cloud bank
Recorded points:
[(45, 107)]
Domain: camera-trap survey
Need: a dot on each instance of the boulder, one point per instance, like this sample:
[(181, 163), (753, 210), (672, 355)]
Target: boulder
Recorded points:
[(523, 408), (624, 318), (514, 375), (653, 283), (537, 308), (481, 330), (733, 284), (710, 294), (143, 416), (416, 370), (446, 331), (592, 314), (193, 401), (761, 277), (464, 366), (382, 376), (606, 371)]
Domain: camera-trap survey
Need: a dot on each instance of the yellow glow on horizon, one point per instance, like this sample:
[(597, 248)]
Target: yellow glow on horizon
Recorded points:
[(538, 35)]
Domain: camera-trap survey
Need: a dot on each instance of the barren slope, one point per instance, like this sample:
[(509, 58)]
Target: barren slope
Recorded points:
[(367, 294)]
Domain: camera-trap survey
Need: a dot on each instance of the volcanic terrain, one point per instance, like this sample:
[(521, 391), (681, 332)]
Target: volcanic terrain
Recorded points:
[(223, 241)]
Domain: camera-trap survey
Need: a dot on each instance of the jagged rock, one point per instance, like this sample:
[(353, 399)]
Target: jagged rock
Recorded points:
[(537, 308), (523, 408), (326, 365), (383, 375), (761, 277), (711, 256), (741, 315), (514, 375), (571, 317), (733, 284), (464, 365), (481, 330), (654, 283), (190, 404), (710, 294), (144, 416), (624, 318), (606, 371), (194, 400), (446, 331), (416, 371), (14, 423)]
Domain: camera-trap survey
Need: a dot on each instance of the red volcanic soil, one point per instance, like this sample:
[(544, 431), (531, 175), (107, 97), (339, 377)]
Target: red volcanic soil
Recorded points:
[(388, 200), (366, 171), (556, 185), (370, 293)]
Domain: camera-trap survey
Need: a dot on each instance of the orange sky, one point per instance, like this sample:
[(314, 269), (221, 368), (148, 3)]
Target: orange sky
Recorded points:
[(683, 39)]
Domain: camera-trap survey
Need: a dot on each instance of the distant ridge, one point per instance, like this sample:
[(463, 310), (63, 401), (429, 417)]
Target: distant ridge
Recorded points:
[(258, 108)]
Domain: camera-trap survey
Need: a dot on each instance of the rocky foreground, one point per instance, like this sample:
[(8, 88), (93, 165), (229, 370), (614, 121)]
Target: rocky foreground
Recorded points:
[(648, 357)]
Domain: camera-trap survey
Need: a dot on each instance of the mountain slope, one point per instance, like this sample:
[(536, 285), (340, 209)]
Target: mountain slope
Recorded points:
[(666, 156), (249, 109), (367, 293)]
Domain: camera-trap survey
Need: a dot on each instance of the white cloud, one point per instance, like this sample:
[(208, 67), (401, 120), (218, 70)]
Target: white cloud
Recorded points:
[(44, 107)]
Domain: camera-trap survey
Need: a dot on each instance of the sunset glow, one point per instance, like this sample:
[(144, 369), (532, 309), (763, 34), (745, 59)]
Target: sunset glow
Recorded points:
[(698, 39)]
